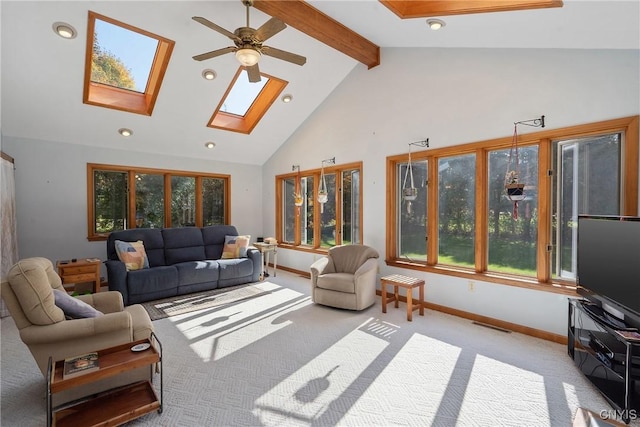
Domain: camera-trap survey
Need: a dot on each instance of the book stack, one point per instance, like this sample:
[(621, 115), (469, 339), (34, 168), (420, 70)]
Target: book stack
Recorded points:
[(79, 365)]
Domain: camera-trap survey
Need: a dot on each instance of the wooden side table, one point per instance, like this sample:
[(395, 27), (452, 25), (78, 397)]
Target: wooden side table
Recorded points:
[(398, 280), (80, 271)]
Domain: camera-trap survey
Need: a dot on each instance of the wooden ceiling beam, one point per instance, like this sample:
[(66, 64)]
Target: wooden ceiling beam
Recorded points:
[(420, 9), (304, 17)]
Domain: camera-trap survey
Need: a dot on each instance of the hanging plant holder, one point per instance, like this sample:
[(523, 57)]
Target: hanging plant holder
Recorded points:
[(410, 192), (323, 194), (298, 200)]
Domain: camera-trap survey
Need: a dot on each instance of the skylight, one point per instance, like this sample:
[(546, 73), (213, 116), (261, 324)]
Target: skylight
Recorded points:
[(242, 94), (124, 65), (128, 51), (244, 103)]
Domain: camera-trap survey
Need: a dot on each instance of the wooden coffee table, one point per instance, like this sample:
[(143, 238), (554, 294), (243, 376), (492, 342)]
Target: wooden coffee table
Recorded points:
[(398, 280), (112, 407)]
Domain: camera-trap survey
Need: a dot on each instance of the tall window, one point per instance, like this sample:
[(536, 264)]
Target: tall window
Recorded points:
[(480, 233), (587, 181), (456, 210), (340, 218), (123, 198)]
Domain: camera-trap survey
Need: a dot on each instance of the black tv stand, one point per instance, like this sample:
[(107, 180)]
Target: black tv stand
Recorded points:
[(604, 317), (610, 361)]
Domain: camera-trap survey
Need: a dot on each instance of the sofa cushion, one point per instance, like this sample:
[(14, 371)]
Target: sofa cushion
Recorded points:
[(73, 307), (235, 246), (213, 237), (132, 254), (183, 244), (193, 272), (153, 243), (235, 268), (152, 280), (32, 281)]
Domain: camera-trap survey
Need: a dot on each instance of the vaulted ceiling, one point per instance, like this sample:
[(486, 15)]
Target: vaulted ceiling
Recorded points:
[(42, 74)]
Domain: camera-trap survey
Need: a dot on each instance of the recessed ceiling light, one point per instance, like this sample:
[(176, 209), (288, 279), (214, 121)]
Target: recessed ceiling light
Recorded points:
[(287, 98), (435, 24), (64, 30), (209, 74), (210, 144), (125, 132)]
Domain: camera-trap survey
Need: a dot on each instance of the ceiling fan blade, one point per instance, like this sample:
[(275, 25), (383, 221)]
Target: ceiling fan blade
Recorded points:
[(214, 53), (215, 27), (284, 55), (270, 28), (254, 73)]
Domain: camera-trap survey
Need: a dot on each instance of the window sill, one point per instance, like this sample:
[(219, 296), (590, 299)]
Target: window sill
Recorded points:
[(555, 287)]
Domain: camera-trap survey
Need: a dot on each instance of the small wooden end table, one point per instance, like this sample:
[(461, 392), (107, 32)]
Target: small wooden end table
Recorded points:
[(80, 271), (398, 280)]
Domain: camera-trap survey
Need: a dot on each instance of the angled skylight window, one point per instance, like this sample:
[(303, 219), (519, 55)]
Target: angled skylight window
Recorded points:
[(121, 57), (124, 65), (244, 103), (242, 94)]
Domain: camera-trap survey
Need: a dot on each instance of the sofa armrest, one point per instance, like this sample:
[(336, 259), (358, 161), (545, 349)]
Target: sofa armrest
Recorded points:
[(78, 329), (106, 302), (317, 268), (117, 278), (254, 255)]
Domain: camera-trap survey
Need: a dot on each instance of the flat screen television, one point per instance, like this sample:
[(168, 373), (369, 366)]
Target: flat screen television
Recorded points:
[(608, 264)]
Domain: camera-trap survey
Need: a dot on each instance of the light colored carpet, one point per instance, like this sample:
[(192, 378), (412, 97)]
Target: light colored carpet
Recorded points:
[(173, 306), (279, 360)]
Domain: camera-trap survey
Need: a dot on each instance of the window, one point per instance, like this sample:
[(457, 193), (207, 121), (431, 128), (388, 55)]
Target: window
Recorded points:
[(124, 65), (463, 224), (245, 103), (340, 218), (121, 198)]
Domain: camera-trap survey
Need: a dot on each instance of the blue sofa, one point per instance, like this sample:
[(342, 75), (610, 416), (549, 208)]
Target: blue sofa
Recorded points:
[(181, 261)]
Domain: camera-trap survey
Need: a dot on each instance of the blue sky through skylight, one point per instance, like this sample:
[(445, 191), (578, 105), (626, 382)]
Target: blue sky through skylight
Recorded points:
[(134, 49), (242, 94)]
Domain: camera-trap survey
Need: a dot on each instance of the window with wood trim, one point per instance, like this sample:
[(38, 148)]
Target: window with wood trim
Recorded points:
[(245, 103), (121, 197), (124, 65), (462, 224), (309, 226)]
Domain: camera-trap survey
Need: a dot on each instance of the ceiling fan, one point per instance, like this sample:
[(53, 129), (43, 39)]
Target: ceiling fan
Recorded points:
[(248, 44)]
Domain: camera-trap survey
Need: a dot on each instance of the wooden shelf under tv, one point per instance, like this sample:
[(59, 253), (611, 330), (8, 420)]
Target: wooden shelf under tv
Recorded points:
[(111, 407)]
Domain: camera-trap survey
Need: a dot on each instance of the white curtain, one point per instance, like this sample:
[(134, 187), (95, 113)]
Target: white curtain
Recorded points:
[(9, 232)]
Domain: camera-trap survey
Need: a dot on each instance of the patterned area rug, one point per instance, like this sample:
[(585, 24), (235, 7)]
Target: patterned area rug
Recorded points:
[(180, 304)]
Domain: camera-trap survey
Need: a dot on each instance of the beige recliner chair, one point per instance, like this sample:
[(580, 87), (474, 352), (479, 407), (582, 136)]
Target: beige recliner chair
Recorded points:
[(29, 296), (346, 277)]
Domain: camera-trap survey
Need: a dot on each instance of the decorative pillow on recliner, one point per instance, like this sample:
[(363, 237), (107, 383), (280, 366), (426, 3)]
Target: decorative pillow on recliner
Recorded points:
[(235, 246), (132, 254), (73, 307)]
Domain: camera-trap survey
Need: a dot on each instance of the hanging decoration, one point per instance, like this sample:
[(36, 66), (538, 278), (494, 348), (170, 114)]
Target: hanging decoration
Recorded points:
[(297, 195), (513, 185), (323, 195), (410, 193)]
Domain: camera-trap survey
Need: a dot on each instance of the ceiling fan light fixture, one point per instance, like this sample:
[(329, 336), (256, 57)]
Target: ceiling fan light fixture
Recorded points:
[(64, 30), (248, 56), (209, 74), (435, 24)]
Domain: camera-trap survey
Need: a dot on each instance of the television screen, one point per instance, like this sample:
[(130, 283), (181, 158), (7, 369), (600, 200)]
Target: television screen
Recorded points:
[(608, 263)]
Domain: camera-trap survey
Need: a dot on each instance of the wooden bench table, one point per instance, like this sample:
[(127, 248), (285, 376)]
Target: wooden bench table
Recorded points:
[(398, 280)]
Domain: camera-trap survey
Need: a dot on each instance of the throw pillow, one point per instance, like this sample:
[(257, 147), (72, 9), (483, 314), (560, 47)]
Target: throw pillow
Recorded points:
[(235, 246), (132, 254), (73, 307)]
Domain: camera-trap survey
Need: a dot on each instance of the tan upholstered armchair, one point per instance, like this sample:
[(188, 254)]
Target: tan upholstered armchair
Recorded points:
[(29, 296), (346, 277)]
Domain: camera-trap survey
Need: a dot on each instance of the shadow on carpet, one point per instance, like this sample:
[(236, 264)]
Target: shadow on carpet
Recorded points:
[(180, 304)]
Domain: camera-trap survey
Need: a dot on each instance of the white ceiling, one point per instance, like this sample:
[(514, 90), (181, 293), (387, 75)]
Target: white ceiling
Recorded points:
[(42, 74)]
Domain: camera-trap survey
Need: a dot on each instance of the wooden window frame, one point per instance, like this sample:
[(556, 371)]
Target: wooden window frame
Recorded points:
[(245, 124), (167, 174), (627, 126), (315, 173), (102, 95)]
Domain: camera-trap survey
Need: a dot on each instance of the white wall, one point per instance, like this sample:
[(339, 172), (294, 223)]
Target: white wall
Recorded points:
[(51, 193), (455, 96)]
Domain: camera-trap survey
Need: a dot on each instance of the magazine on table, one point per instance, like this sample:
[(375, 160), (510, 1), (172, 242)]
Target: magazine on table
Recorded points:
[(79, 365)]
